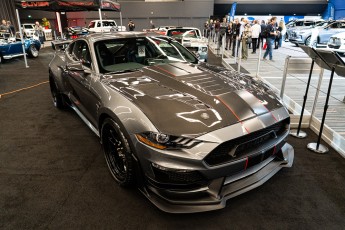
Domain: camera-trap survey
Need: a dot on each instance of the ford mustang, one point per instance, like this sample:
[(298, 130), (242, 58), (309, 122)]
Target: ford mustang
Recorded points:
[(189, 135)]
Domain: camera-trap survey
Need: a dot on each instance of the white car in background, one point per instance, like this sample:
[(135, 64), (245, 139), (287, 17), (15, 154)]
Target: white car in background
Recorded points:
[(336, 43), (192, 39), (108, 26), (28, 29)]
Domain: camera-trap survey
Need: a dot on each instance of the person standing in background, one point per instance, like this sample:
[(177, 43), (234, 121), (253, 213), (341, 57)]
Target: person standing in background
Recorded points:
[(256, 30), (229, 36), (3, 26), (270, 39), (246, 34), (279, 36), (11, 28), (261, 38), (131, 25), (216, 28), (39, 32), (236, 37)]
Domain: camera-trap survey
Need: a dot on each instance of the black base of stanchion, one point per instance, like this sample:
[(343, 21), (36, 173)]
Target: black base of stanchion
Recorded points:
[(321, 150), (301, 134)]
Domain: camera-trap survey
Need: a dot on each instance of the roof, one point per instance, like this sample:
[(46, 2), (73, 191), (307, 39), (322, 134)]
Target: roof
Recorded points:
[(126, 34)]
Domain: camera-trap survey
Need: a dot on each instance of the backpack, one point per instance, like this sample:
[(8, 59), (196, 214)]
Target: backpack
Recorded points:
[(266, 32)]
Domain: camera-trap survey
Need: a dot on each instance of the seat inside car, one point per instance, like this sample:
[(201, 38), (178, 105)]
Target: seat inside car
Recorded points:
[(104, 54)]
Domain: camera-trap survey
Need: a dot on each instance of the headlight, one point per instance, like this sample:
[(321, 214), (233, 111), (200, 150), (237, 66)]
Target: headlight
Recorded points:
[(164, 141)]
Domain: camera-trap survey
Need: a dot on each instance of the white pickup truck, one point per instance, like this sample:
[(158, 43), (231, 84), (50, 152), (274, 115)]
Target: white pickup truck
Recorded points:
[(108, 25)]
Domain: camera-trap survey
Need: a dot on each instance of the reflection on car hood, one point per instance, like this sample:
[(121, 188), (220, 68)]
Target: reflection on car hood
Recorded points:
[(187, 99)]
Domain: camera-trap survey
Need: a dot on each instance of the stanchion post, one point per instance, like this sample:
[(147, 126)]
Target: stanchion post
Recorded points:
[(239, 58), (21, 39), (317, 147), (298, 133), (100, 19), (236, 48), (286, 67), (259, 61), (318, 88)]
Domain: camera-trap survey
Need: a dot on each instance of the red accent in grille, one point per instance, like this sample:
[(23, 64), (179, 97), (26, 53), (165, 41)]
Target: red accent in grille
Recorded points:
[(245, 167)]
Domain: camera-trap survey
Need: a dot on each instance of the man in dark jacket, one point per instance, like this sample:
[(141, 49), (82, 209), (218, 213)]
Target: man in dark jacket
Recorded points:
[(271, 38), (261, 38), (236, 37), (131, 25)]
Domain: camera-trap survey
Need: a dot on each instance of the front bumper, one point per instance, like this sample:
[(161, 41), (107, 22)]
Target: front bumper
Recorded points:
[(219, 190), (204, 177)]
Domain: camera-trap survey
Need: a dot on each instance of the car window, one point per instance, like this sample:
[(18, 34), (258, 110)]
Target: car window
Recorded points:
[(299, 23), (308, 23), (342, 25), (129, 54), (106, 24), (92, 24), (81, 51), (28, 26), (69, 50)]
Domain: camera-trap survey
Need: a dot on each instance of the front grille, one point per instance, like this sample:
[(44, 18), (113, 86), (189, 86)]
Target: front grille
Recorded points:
[(237, 148)]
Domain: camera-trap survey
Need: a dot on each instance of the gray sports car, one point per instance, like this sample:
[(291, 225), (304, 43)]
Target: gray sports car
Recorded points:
[(189, 135)]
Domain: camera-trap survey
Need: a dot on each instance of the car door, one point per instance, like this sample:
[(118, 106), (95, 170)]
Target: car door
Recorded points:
[(15, 48), (79, 73)]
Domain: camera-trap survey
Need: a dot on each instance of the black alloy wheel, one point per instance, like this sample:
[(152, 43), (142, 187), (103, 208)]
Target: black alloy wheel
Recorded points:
[(33, 51), (56, 95), (117, 153)]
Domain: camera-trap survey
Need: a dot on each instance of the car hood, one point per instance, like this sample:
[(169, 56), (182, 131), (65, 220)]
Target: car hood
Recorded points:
[(191, 100)]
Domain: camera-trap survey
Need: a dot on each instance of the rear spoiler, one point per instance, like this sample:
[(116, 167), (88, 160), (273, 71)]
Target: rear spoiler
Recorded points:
[(60, 44)]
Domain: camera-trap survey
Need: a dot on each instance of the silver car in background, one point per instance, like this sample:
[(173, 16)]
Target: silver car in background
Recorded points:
[(336, 43), (300, 24), (303, 35)]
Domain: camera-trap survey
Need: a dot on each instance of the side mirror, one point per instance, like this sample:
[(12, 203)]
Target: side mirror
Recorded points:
[(78, 67)]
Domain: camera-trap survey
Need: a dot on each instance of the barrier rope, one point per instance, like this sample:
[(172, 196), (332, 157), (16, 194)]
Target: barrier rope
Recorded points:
[(18, 90)]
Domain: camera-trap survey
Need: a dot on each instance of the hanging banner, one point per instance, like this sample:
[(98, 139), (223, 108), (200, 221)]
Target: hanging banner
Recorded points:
[(68, 5), (233, 11)]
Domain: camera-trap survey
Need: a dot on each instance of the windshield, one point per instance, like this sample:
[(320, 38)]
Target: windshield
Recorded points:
[(106, 23), (131, 54), (320, 24), (28, 26), (91, 25), (178, 33)]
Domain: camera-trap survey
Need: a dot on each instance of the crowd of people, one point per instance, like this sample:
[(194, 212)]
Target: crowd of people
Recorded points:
[(7, 27), (246, 34)]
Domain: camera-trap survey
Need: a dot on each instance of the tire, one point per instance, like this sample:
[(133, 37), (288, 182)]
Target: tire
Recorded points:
[(117, 153), (57, 97), (1, 59), (33, 51)]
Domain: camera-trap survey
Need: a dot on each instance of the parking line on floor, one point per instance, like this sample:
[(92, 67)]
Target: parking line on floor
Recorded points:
[(18, 90)]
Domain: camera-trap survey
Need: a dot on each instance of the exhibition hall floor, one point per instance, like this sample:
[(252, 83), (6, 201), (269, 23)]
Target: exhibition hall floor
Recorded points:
[(53, 174)]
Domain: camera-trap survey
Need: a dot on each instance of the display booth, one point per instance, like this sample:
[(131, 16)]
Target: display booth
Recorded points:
[(331, 61), (65, 6)]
